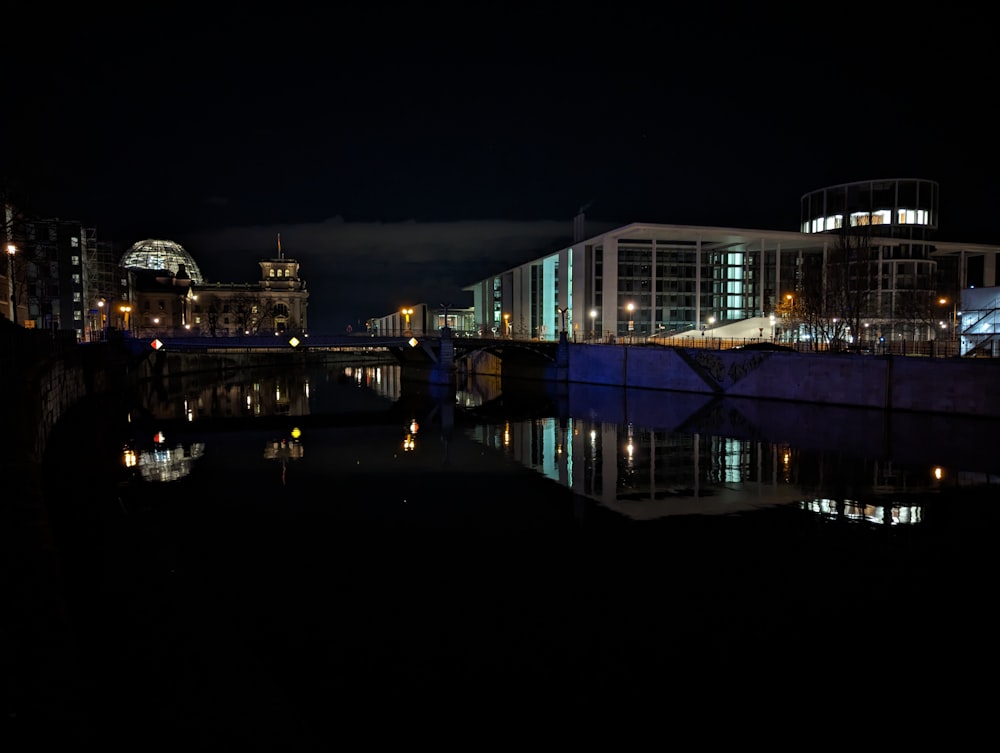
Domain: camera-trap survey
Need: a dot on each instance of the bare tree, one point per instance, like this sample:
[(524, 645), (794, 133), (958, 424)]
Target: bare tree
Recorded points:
[(250, 312), (837, 288)]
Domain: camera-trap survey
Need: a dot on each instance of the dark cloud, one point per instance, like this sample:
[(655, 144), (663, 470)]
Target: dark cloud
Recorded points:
[(455, 156), (355, 270)]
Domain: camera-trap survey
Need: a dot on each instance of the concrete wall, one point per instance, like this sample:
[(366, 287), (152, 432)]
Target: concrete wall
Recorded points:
[(937, 385)]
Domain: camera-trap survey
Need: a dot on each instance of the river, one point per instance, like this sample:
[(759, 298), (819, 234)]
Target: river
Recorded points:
[(269, 559)]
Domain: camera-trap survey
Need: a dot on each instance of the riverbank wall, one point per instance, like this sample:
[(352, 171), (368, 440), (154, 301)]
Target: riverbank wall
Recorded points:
[(957, 386)]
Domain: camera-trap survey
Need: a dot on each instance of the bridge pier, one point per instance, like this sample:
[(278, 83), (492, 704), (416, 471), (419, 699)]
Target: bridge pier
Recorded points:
[(443, 372), (562, 358)]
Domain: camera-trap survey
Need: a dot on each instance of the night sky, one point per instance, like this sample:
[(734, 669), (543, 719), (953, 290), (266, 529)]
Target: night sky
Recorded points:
[(403, 155)]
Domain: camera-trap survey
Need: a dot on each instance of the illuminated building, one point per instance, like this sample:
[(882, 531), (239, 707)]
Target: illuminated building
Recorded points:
[(642, 281), (170, 296)]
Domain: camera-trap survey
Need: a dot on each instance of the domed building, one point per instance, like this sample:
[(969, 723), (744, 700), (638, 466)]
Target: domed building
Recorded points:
[(170, 297), (161, 255)]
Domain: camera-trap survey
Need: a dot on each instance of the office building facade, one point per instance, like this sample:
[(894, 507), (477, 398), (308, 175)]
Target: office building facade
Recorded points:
[(862, 265)]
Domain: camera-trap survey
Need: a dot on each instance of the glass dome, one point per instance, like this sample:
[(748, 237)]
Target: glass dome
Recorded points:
[(157, 254)]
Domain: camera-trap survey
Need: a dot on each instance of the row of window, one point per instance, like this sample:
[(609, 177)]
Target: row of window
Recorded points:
[(863, 219)]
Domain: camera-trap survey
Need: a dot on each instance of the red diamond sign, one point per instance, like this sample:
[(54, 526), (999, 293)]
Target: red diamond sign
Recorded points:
[(156, 344)]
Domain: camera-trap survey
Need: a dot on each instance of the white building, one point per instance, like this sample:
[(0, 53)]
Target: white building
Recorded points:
[(644, 280)]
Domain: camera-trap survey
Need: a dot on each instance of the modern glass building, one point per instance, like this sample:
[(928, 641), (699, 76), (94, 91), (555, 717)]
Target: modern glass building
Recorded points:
[(647, 280)]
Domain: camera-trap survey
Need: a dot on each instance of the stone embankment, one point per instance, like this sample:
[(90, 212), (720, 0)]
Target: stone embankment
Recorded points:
[(963, 386)]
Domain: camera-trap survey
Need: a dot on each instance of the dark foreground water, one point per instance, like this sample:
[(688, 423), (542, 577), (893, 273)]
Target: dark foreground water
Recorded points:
[(345, 558)]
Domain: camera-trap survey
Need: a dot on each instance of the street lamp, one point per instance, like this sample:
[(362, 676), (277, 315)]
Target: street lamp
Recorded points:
[(126, 310), (631, 321), (506, 325), (11, 250), (593, 323), (954, 315), (407, 313)]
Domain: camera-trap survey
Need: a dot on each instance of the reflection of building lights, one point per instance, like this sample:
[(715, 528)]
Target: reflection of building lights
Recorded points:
[(130, 458), (892, 514), (506, 434), (162, 464)]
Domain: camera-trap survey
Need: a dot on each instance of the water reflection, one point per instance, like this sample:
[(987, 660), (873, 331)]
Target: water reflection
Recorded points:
[(641, 454), (161, 461)]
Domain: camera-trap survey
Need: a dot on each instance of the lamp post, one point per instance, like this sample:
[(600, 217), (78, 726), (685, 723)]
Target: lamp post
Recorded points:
[(126, 310), (593, 323), (954, 314), (407, 312), (506, 325), (631, 321), (11, 250)]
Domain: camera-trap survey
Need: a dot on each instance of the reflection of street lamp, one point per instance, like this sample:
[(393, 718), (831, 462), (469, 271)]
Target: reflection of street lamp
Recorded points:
[(11, 250), (407, 313), (593, 323), (506, 325)]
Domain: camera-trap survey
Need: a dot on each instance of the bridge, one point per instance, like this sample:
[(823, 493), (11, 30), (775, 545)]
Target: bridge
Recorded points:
[(426, 348), (441, 355)]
